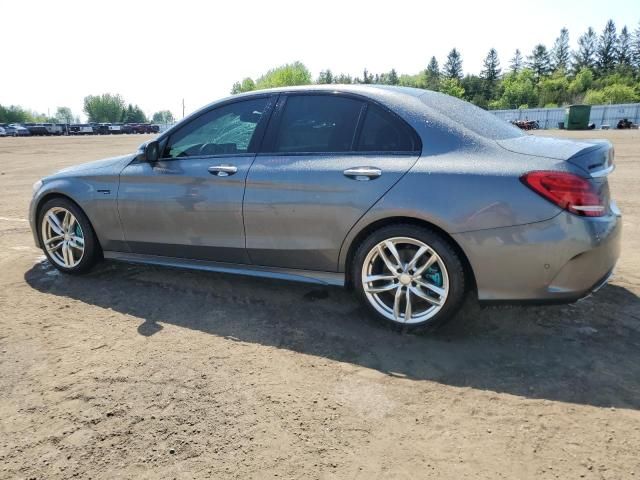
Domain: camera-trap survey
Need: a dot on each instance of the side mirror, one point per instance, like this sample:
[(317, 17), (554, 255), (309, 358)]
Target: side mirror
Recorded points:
[(152, 152)]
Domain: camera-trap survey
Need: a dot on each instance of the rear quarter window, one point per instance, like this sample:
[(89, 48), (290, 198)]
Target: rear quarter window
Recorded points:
[(382, 132)]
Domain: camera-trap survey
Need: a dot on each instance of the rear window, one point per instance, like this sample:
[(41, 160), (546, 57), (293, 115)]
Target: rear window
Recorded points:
[(471, 117), (382, 132), (317, 123)]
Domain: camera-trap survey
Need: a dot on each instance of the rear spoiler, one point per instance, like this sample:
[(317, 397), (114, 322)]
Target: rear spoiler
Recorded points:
[(598, 160)]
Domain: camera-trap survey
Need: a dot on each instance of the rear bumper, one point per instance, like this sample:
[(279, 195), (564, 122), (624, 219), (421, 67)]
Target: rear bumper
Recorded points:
[(558, 260)]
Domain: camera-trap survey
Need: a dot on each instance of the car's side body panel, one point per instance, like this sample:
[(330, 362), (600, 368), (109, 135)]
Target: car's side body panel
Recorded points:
[(176, 208), (188, 204), (441, 190), (298, 209)]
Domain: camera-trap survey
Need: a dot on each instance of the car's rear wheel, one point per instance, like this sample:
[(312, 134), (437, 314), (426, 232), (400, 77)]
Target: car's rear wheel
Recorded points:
[(66, 236), (409, 276)]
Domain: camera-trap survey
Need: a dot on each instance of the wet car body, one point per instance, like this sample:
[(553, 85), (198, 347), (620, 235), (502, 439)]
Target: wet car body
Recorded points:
[(301, 216)]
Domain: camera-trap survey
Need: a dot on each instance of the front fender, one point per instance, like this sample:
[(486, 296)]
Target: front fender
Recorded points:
[(95, 195), (55, 187)]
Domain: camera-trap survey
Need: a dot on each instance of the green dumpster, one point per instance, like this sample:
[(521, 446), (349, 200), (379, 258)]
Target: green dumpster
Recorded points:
[(576, 117)]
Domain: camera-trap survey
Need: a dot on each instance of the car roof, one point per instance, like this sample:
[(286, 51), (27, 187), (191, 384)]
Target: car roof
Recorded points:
[(367, 90)]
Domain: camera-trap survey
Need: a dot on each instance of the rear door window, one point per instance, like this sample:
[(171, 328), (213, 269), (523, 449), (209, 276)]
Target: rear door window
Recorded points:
[(317, 123)]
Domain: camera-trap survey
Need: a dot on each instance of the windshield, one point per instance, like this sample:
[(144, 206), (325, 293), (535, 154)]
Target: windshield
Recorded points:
[(471, 117)]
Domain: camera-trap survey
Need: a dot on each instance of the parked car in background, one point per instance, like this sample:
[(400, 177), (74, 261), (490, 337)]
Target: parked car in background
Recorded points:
[(3, 132), (100, 128), (9, 131), (410, 197), (81, 129), (16, 130), (141, 128), (36, 129), (154, 128), (115, 128), (52, 128)]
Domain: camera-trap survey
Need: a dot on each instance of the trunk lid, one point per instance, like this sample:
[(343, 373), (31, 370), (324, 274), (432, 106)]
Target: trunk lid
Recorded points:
[(595, 157)]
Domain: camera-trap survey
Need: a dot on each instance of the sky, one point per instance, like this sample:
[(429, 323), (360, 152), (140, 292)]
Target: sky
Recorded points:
[(157, 53)]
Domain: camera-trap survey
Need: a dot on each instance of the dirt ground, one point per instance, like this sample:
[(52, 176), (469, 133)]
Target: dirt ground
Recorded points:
[(143, 372)]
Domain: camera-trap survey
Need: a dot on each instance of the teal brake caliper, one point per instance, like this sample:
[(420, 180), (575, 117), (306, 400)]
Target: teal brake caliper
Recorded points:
[(434, 275)]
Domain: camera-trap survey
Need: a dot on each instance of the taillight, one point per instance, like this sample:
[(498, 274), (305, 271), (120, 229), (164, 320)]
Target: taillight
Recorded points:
[(568, 191)]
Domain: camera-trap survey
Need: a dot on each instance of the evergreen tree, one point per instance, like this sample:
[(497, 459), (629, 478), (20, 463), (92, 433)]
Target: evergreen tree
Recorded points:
[(343, 78), (453, 66), (606, 53), (587, 47), (517, 62), (490, 73), (432, 75), (560, 53), (540, 61), (325, 77), (635, 49), (133, 114), (127, 114), (138, 115), (392, 78), (367, 77), (623, 49)]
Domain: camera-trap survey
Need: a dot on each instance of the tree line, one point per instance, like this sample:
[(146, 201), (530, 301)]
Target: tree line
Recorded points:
[(105, 108), (17, 114), (605, 68)]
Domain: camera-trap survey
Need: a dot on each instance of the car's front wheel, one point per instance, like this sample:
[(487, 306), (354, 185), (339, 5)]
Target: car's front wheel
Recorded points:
[(409, 276), (66, 236)]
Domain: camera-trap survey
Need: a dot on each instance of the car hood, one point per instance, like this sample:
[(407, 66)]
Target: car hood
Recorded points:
[(111, 165)]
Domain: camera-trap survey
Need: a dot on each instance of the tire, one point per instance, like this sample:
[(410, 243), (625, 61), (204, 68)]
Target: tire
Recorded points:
[(80, 232), (434, 284)]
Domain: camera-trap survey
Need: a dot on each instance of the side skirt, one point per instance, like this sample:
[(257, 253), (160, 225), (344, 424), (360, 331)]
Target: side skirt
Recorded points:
[(309, 276)]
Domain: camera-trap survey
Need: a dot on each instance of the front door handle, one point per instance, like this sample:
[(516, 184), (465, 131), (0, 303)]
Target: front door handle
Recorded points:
[(363, 173), (222, 170)]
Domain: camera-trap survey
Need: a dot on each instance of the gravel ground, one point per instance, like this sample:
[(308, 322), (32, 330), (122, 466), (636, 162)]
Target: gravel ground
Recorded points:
[(143, 372)]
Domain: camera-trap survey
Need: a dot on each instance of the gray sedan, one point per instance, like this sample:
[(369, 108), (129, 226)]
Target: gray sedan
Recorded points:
[(412, 198)]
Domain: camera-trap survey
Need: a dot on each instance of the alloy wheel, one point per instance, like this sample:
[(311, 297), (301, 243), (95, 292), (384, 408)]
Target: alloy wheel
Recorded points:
[(405, 280), (63, 237)]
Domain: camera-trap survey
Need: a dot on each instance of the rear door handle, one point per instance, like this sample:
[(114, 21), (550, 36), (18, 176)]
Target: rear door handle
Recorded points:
[(222, 170), (363, 173)]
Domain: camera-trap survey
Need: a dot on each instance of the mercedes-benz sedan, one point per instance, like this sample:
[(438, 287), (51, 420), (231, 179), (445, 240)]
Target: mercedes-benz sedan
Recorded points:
[(410, 197)]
